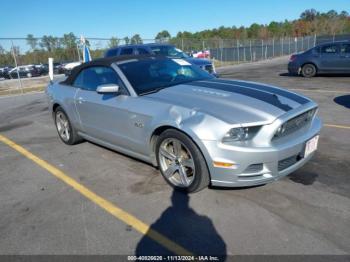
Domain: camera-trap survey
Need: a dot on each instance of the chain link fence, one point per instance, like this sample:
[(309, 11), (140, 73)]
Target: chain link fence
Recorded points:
[(238, 51), (231, 50), (227, 50), (36, 51)]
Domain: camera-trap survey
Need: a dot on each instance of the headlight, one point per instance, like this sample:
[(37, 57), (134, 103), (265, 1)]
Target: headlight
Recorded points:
[(280, 131), (240, 134), (311, 114)]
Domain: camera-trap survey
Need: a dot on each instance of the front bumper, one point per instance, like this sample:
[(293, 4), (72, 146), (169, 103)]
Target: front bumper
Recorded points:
[(271, 159), (293, 68), (209, 68)]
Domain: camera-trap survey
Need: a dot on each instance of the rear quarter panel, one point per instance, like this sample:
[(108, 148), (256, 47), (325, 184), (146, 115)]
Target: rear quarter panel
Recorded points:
[(64, 96)]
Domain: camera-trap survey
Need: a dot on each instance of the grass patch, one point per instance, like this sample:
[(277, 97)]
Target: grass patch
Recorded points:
[(22, 91)]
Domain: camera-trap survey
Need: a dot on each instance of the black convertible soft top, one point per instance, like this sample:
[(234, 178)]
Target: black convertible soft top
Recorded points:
[(104, 62)]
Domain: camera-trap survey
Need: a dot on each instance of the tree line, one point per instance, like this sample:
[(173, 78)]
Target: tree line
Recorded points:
[(65, 48), (310, 22)]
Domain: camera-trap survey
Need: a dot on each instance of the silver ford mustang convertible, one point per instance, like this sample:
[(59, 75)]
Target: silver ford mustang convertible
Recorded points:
[(197, 129)]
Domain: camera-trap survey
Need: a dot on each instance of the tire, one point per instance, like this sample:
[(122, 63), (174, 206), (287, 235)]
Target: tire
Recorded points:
[(180, 162), (69, 136), (308, 70)]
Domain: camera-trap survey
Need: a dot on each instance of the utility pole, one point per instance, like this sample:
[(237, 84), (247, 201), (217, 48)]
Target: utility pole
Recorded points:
[(78, 52), (282, 46), (315, 40), (289, 47), (17, 69), (250, 50)]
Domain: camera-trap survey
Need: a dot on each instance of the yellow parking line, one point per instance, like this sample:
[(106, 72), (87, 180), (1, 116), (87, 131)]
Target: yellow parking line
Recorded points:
[(337, 126), (98, 200), (320, 90)]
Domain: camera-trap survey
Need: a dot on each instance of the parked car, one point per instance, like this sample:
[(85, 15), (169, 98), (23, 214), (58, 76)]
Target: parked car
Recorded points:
[(4, 72), (67, 68), (161, 49), (197, 129), (325, 58), (43, 69), (58, 68), (24, 71), (201, 54)]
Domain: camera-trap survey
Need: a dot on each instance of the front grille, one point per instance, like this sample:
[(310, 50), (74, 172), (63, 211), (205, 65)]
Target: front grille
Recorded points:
[(287, 162), (296, 123)]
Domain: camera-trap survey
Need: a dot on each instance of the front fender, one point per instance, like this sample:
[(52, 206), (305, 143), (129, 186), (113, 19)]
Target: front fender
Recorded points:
[(197, 125)]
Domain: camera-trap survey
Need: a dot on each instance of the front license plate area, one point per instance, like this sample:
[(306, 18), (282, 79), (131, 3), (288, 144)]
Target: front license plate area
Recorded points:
[(311, 146)]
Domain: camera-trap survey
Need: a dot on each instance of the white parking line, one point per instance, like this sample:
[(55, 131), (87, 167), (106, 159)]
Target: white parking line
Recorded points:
[(109, 207), (337, 126)]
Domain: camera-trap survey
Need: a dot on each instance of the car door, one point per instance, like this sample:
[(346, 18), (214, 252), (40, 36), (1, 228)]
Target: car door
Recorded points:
[(345, 57), (102, 116), (329, 58)]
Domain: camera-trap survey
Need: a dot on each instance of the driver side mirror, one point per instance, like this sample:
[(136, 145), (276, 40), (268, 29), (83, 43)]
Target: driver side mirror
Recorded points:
[(109, 88)]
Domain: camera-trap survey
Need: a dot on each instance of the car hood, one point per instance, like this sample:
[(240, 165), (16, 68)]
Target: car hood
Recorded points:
[(232, 101), (198, 61)]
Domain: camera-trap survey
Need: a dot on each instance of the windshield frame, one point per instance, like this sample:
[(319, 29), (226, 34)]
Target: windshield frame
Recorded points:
[(156, 88), (183, 54)]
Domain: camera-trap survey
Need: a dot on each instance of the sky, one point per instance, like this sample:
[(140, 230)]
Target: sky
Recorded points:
[(120, 18)]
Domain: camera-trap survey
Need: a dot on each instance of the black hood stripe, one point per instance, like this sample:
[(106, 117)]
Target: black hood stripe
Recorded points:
[(299, 99), (254, 93)]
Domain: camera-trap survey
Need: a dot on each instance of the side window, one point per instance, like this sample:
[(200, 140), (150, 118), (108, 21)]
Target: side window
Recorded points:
[(142, 51), (78, 82), (126, 51), (329, 49), (92, 77), (345, 48), (112, 52)]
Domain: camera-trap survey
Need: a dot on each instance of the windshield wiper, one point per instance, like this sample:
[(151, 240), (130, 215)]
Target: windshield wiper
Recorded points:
[(154, 90)]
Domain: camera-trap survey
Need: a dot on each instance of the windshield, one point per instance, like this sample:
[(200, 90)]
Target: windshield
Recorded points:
[(168, 50), (153, 74)]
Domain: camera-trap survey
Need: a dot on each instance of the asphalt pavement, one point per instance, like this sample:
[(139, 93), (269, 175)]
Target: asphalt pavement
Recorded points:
[(307, 212)]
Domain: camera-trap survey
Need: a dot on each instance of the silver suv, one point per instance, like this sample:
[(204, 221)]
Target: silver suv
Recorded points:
[(161, 49)]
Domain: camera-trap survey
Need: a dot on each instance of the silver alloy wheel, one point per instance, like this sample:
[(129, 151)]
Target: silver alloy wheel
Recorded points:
[(62, 126), (176, 162)]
